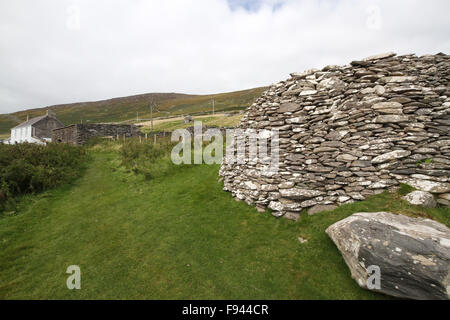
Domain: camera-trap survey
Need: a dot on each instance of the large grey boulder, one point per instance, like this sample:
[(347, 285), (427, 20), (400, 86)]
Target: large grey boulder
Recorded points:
[(412, 254), (421, 198)]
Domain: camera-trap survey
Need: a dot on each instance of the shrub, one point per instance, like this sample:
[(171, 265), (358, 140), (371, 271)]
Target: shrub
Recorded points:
[(146, 158), (30, 168)]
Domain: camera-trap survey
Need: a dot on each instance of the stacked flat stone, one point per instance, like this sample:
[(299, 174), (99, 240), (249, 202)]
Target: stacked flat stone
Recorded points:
[(81, 133), (348, 132)]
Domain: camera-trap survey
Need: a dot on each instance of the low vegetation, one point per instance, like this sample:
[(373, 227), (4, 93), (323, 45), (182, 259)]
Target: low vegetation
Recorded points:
[(216, 121), (146, 158), (30, 168), (177, 235)]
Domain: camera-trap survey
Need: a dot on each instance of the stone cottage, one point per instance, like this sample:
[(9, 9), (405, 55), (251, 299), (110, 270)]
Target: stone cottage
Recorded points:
[(36, 130)]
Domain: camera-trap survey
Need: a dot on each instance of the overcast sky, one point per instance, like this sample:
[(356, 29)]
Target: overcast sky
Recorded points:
[(57, 51)]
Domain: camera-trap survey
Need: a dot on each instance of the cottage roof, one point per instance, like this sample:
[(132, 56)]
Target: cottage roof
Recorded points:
[(30, 122)]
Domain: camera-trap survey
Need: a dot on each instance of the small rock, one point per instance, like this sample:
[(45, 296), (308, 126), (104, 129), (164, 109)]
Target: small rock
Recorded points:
[(388, 107), (391, 118), (289, 107), (421, 198), (398, 79), (397, 154), (379, 90), (429, 186), (302, 240), (275, 206), (292, 215), (308, 92), (304, 74), (300, 194), (445, 196), (380, 56), (321, 207), (346, 157)]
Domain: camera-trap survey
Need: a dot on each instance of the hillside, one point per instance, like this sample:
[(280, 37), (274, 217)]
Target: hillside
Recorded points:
[(125, 108)]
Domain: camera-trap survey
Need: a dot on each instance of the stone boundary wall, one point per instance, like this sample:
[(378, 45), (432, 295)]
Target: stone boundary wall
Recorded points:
[(81, 133), (347, 132)]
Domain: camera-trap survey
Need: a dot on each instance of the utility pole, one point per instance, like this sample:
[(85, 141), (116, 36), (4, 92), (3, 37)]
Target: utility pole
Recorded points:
[(213, 105), (151, 117), (151, 104), (137, 116)]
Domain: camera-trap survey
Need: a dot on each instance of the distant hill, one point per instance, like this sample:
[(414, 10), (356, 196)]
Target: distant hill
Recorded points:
[(125, 108)]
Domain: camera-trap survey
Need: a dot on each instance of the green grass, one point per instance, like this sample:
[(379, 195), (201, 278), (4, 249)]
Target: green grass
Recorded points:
[(222, 121), (177, 236)]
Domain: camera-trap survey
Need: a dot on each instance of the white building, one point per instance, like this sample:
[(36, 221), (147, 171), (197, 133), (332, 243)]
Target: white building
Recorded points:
[(36, 130)]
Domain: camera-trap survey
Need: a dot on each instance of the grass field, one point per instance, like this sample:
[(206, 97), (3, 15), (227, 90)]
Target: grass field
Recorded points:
[(176, 236), (127, 108), (212, 121)]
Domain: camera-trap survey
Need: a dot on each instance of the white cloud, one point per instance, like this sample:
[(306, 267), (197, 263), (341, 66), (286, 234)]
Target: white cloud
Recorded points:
[(128, 47)]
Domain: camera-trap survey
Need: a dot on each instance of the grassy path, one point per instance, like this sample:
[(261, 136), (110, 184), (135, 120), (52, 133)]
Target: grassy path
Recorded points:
[(180, 237)]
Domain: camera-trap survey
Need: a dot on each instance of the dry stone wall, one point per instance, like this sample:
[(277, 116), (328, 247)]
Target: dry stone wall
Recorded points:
[(81, 133), (347, 132)]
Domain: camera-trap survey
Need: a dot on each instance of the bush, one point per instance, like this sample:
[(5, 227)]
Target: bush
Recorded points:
[(146, 158), (30, 168)]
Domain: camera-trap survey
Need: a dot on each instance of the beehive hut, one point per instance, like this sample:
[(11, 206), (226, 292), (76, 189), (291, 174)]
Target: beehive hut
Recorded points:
[(348, 132)]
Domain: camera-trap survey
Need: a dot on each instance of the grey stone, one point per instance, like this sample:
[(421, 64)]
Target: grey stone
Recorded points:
[(412, 254), (288, 107), (300, 194), (346, 157), (388, 107), (336, 135), (429, 186), (315, 168), (380, 56), (308, 92), (421, 198), (331, 83), (398, 79), (292, 215), (397, 154), (275, 206), (445, 196), (391, 118), (321, 207), (304, 74)]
